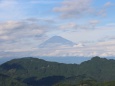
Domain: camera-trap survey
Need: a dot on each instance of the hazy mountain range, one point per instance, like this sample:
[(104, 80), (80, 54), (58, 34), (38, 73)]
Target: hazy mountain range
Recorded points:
[(58, 46), (56, 41)]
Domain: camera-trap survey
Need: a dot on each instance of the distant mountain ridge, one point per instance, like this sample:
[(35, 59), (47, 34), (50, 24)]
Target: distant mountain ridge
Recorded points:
[(56, 41)]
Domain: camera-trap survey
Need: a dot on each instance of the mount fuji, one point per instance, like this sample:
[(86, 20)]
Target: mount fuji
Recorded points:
[(56, 41)]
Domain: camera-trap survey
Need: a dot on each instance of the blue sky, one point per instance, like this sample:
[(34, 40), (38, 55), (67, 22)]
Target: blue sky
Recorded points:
[(24, 24)]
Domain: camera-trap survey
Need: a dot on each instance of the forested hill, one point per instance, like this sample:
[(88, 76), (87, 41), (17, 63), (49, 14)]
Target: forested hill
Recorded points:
[(37, 72)]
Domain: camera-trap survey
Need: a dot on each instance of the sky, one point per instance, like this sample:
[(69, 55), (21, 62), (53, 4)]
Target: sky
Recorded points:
[(25, 24)]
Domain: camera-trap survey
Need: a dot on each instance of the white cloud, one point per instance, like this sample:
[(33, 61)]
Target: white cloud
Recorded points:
[(68, 26), (94, 22), (99, 49), (103, 49), (74, 8), (79, 45), (17, 30), (108, 4), (22, 36), (103, 10)]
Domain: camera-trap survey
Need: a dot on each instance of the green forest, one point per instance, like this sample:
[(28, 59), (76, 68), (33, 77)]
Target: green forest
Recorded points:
[(31, 71)]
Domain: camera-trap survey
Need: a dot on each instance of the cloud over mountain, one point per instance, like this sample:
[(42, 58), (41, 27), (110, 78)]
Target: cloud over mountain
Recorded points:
[(88, 23)]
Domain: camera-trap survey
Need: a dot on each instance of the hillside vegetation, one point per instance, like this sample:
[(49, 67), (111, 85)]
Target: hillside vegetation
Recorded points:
[(37, 72)]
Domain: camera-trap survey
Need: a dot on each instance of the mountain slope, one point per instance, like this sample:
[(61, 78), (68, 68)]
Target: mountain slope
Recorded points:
[(33, 70), (100, 68), (28, 67), (56, 41), (6, 80)]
